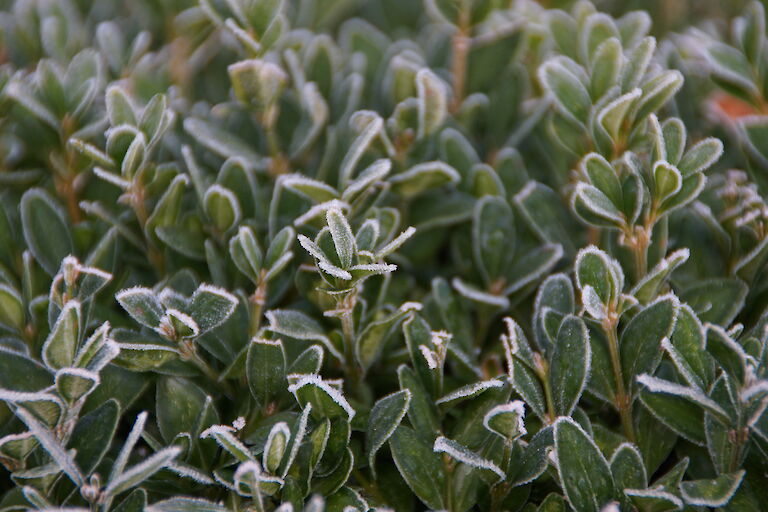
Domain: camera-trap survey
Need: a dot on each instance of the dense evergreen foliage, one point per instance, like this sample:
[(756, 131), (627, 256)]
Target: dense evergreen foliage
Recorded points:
[(352, 255)]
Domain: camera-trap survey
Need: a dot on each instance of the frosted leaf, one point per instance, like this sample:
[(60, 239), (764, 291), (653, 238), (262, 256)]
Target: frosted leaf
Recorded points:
[(377, 171), (334, 270), (140, 472), (396, 243), (300, 326), (507, 420), (297, 440), (130, 442), (465, 455), (210, 306), (318, 210), (430, 356), (222, 434), (343, 238), (480, 296), (656, 385), (592, 303), (45, 437), (470, 390), (432, 94), (328, 401)]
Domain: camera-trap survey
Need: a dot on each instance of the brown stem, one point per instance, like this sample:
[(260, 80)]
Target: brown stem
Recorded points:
[(460, 51), (623, 401), (65, 187), (258, 300)]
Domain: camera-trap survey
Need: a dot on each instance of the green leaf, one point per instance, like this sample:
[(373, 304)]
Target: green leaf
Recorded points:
[(606, 67), (92, 436), (432, 94), (134, 502), (46, 229), (276, 445), (676, 412), (597, 28), (603, 176), (674, 133), (60, 346), (134, 158), (552, 503), (593, 207), (246, 253), (327, 402), (279, 249), (420, 467), (422, 412), (210, 306), (135, 475), (222, 207), (300, 326), (142, 304), (265, 369), (611, 117), (73, 384), (493, 237), (603, 274), (224, 437), (569, 93), (11, 307), (715, 492), (186, 504), (371, 341), (584, 473), (18, 91), (120, 108), (220, 142), (343, 239), (657, 91), (368, 126), (142, 357), (753, 33), (179, 402), (727, 352), (155, 117), (386, 415), (469, 391), (422, 177), (554, 300), (462, 454), (689, 341), (718, 300), (731, 66), (701, 157), (647, 288), (570, 365), (690, 189), (535, 458), (529, 387), (506, 420), (627, 467), (309, 361), (52, 446), (640, 342), (667, 180), (655, 500), (314, 190)]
